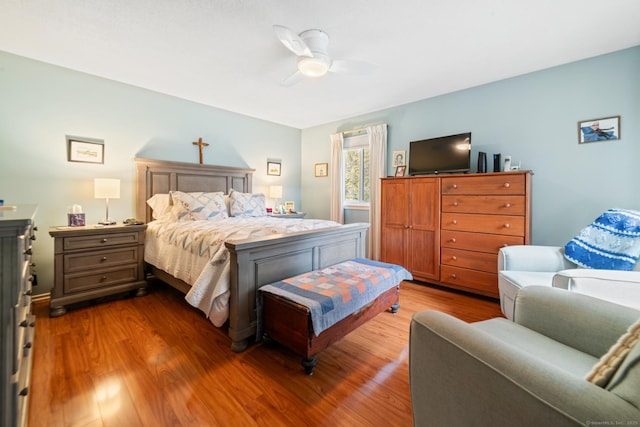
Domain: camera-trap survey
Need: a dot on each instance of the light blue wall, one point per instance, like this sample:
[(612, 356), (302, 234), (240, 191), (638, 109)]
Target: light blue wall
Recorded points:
[(534, 118), (40, 104)]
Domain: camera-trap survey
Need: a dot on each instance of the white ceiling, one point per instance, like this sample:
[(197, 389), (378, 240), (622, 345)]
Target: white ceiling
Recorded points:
[(224, 53)]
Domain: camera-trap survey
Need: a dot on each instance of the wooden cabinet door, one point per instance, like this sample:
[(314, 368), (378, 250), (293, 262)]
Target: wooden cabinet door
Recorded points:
[(424, 237), (395, 221)]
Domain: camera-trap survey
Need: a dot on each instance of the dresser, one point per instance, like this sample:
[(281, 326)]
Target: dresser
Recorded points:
[(448, 229), (17, 232), (96, 261)]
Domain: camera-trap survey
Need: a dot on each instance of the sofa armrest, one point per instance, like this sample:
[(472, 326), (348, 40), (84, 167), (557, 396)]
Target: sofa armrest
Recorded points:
[(588, 324), (460, 375), (533, 258), (621, 287)]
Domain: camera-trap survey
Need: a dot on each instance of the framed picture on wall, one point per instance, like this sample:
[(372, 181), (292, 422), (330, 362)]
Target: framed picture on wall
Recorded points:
[(85, 150), (596, 130), (322, 169), (274, 168)]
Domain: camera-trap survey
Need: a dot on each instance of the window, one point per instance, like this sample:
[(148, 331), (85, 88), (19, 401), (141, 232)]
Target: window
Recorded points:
[(356, 189)]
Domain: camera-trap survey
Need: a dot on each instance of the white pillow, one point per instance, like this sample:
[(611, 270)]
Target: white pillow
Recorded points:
[(160, 205), (198, 206), (247, 204)]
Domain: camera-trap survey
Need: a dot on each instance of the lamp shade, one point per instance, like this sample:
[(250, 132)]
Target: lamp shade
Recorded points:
[(275, 191), (106, 188)]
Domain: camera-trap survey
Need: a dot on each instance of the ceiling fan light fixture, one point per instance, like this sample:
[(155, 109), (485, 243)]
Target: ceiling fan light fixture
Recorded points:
[(313, 67)]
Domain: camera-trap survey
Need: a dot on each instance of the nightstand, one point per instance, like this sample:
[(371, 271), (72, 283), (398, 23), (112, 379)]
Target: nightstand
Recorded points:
[(96, 261), (289, 215)]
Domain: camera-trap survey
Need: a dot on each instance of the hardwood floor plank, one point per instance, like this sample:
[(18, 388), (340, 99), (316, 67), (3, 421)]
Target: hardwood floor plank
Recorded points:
[(156, 361)]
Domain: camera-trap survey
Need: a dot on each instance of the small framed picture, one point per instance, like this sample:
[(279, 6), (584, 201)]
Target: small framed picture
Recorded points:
[(85, 150), (399, 158), (273, 168), (290, 207), (322, 169), (596, 130), (400, 170)]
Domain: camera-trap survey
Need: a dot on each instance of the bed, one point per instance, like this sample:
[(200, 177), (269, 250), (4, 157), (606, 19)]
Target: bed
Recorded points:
[(252, 262)]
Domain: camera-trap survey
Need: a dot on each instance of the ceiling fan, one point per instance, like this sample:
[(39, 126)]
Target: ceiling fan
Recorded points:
[(310, 47)]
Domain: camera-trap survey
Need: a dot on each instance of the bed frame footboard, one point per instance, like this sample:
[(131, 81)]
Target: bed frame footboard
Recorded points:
[(255, 263)]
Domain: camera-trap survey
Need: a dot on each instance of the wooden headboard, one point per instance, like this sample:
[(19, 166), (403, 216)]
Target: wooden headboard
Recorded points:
[(161, 176)]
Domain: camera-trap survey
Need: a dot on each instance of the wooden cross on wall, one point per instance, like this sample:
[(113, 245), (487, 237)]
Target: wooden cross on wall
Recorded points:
[(200, 143)]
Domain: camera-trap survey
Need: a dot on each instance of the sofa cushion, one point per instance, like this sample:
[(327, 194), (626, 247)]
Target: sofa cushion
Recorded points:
[(539, 346), (611, 242), (608, 364)]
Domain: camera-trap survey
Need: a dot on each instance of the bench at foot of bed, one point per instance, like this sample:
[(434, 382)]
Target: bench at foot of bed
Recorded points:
[(289, 324)]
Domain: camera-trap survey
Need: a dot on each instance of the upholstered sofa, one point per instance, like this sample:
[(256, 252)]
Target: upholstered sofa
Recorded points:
[(531, 372), (526, 265)]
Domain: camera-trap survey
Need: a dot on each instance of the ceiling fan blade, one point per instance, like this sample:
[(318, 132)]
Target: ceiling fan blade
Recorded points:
[(348, 66), (292, 79), (292, 41)]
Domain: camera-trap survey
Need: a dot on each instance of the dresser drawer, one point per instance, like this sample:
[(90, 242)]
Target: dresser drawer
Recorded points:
[(493, 224), (78, 282), (102, 240), (493, 184), (84, 261), (478, 281), (469, 259), (480, 242), (497, 205)]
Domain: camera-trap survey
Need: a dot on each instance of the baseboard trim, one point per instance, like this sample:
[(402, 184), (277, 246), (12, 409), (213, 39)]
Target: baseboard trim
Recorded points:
[(41, 297)]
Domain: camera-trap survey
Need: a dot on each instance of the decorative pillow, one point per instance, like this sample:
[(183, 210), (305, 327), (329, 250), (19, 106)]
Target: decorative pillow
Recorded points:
[(160, 205), (608, 364), (611, 242), (198, 206), (247, 204)]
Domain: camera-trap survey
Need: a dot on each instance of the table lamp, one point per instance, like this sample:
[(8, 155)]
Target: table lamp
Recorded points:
[(106, 188), (275, 192)]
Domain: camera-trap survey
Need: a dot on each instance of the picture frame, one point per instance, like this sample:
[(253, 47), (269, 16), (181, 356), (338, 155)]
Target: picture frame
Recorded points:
[(289, 207), (598, 130), (274, 168), (85, 150), (321, 169), (400, 170), (399, 158)]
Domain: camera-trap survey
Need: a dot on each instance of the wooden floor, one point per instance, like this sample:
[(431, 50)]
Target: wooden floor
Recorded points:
[(156, 361)]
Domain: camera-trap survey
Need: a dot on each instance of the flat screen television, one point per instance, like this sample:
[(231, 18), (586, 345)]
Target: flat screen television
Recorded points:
[(446, 154)]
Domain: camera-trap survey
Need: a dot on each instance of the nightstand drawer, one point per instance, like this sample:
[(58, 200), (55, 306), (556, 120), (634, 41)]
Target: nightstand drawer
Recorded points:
[(96, 241), (100, 259), (83, 282)]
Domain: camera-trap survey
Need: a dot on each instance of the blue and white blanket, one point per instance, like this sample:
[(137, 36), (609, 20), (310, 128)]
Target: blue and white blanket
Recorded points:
[(611, 242), (334, 292)]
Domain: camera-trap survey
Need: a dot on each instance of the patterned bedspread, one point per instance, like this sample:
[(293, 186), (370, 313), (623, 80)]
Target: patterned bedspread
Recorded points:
[(333, 293), (194, 251)]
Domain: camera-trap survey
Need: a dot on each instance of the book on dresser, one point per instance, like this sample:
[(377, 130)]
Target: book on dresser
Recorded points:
[(447, 230), (17, 232)]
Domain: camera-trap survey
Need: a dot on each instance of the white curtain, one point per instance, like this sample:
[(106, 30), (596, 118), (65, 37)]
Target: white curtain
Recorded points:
[(337, 210), (377, 169)]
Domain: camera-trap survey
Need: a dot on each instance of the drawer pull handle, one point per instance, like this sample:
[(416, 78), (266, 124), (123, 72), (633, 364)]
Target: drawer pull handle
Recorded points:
[(507, 185), (504, 245), (454, 258), (104, 258), (453, 240), (28, 252), (28, 293), (454, 186), (507, 205), (453, 276), (455, 204), (103, 278), (507, 225), (24, 324), (24, 391), (33, 237), (33, 264), (104, 240), (27, 345), (455, 221)]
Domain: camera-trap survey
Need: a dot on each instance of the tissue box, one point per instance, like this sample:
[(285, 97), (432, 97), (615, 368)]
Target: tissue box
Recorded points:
[(76, 219)]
